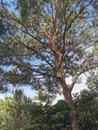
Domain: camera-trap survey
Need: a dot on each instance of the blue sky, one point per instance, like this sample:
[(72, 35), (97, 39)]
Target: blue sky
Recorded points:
[(31, 93), (27, 90)]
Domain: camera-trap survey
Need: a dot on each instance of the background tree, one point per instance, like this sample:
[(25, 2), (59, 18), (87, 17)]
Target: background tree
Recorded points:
[(47, 42), (14, 111), (87, 112), (5, 114), (18, 114)]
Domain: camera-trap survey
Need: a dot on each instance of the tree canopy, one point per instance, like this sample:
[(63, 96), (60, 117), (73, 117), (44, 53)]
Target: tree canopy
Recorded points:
[(27, 48), (21, 113), (46, 42)]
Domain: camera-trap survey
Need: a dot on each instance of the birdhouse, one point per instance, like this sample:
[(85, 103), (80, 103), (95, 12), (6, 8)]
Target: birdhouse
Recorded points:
[(58, 74)]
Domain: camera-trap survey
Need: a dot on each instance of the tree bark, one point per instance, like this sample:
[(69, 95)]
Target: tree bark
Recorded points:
[(66, 92), (69, 100)]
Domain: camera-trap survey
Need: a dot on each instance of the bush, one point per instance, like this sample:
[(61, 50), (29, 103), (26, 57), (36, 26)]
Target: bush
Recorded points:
[(38, 127)]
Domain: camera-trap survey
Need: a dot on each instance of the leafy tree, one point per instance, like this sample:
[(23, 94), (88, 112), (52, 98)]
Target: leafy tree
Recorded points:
[(44, 97), (54, 117), (21, 104), (92, 81), (14, 111), (48, 117), (47, 42), (87, 112), (5, 118)]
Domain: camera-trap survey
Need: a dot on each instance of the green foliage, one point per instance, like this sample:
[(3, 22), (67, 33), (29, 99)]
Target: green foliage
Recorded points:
[(27, 49), (14, 112), (2, 29), (92, 81), (38, 127), (35, 116), (43, 39), (87, 106)]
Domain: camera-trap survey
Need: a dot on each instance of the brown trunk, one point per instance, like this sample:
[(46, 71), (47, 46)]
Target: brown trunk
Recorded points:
[(69, 100), (66, 92)]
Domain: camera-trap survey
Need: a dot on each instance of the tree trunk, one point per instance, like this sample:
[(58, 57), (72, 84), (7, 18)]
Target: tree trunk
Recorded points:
[(69, 100)]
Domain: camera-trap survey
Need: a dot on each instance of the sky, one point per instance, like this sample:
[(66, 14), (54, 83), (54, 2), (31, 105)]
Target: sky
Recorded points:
[(77, 88), (27, 90), (31, 93)]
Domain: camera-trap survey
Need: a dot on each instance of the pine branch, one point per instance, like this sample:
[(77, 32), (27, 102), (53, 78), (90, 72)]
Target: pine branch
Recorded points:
[(84, 69)]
